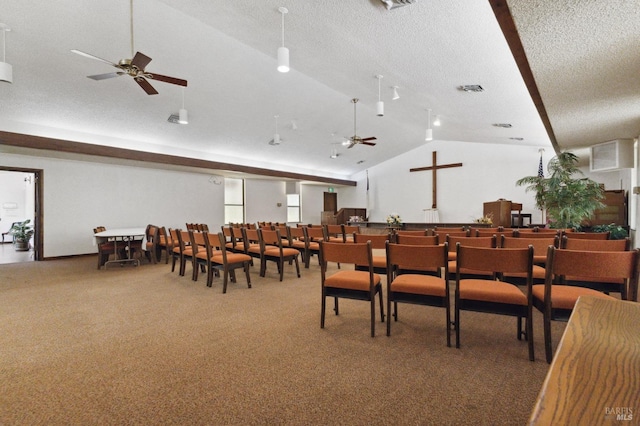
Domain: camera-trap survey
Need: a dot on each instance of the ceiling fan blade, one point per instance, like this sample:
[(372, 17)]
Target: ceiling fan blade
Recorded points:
[(98, 77), (351, 145), (166, 79), (372, 138), (140, 60), (93, 57), (369, 143), (146, 86)]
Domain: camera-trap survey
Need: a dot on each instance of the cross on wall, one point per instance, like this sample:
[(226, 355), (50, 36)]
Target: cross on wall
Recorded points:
[(434, 168)]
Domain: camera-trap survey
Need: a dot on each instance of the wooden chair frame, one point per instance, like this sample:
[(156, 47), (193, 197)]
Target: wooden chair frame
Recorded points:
[(271, 250), (223, 260)]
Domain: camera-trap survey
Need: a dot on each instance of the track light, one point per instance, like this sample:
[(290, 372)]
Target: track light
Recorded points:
[(429, 135), (379, 104), (6, 70), (395, 93), (283, 52)]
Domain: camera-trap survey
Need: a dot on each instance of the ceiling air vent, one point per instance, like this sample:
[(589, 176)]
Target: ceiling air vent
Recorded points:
[(174, 118), (393, 4), (503, 125), (472, 88)]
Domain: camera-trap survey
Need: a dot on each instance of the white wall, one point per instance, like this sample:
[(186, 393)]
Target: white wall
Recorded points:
[(312, 203), (488, 172), (261, 200), (80, 195)]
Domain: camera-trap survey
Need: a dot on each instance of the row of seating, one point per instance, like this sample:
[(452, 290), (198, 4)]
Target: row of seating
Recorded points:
[(484, 277)]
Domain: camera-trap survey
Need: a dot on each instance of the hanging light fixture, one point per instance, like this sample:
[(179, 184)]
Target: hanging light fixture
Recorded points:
[(283, 52), (334, 153), (429, 136), (395, 93), (183, 116), (379, 104), (437, 122), (6, 70), (276, 136)]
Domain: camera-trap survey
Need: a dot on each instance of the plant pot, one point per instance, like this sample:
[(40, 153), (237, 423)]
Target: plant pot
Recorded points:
[(21, 245)]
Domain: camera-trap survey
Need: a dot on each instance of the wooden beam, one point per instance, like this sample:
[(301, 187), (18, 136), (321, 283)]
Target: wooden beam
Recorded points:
[(39, 142)]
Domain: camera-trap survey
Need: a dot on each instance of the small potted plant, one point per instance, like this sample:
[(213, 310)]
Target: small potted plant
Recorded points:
[(22, 233)]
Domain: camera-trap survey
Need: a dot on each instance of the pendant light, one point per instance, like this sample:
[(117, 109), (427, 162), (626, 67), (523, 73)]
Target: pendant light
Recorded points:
[(283, 52), (437, 122), (276, 136), (379, 104), (429, 136), (6, 70), (183, 117), (395, 93)]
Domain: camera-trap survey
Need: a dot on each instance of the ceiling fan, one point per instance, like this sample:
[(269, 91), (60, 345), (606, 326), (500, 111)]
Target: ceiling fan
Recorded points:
[(134, 67), (355, 139)]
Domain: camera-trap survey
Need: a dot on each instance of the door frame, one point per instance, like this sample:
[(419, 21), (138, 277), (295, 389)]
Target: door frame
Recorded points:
[(38, 206)]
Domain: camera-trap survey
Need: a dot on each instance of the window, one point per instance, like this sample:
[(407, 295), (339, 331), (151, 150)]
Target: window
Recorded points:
[(293, 208), (233, 200)]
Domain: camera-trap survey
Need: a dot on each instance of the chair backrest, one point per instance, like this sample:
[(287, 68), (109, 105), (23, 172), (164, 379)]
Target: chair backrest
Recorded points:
[(592, 264), (449, 228), (350, 229), (314, 233), (595, 245), (378, 241), (416, 257), (296, 233), (269, 237), (422, 232), (588, 235), (509, 260), (95, 230), (417, 240), (151, 233), (539, 245), (250, 236), (215, 242), (457, 233), (487, 242), (537, 234), (355, 254)]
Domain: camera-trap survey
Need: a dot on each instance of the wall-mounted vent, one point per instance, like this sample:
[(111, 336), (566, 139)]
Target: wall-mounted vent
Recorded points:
[(612, 155), (393, 4)]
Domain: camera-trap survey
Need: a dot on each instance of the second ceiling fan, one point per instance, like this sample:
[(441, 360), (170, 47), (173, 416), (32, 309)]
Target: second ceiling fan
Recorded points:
[(355, 139)]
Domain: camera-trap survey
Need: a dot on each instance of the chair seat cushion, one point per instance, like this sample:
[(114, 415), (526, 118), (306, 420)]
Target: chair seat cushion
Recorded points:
[(231, 258), (491, 291), (353, 280), (275, 252), (565, 296), (336, 239), (314, 246), (419, 284), (298, 244)]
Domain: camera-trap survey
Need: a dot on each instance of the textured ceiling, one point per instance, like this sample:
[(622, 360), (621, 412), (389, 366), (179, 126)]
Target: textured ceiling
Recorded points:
[(227, 52)]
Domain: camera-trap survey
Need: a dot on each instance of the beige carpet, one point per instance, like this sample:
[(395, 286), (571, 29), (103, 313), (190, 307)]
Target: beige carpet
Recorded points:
[(141, 345)]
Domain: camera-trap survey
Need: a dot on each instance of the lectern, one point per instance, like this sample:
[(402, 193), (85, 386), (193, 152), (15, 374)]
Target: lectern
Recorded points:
[(500, 211)]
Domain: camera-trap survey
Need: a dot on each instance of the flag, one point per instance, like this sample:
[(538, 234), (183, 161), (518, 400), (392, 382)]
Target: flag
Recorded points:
[(540, 168)]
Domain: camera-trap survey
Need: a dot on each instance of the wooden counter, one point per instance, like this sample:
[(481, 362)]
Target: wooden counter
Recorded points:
[(595, 375)]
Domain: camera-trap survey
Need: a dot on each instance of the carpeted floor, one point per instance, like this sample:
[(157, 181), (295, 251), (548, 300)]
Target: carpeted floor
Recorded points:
[(142, 345)]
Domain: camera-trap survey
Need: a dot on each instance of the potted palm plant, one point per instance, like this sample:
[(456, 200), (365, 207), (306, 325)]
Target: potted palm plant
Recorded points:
[(568, 199), (22, 233)]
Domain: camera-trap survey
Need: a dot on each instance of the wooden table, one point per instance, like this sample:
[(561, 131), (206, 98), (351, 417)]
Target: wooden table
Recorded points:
[(595, 375)]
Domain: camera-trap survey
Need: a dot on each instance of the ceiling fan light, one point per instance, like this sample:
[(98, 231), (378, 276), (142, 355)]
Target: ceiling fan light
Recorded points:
[(183, 116), (429, 135), (283, 59), (6, 72), (380, 108)]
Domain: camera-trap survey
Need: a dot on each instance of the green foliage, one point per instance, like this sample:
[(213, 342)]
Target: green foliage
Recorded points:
[(567, 200), (617, 232), (22, 231)]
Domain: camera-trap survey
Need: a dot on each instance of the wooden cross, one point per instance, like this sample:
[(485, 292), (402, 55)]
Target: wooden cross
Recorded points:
[(433, 169)]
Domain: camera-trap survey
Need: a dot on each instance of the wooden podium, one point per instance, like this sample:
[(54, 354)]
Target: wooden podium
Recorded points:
[(500, 211)]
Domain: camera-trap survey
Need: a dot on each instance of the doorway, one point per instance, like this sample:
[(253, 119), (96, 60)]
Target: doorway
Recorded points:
[(330, 202), (20, 200)]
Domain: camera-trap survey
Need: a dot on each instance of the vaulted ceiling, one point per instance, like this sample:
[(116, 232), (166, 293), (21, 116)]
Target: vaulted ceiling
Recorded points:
[(581, 87)]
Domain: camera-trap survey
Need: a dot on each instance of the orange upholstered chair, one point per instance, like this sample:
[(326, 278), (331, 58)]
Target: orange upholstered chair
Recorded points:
[(417, 240), (271, 250), (611, 285), (453, 240), (165, 243), (491, 295), (201, 261), (184, 249), (378, 244), (334, 233), (406, 286), (540, 246), (349, 284), (416, 233), (251, 242), (556, 300), (313, 235), (222, 259), (151, 246)]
